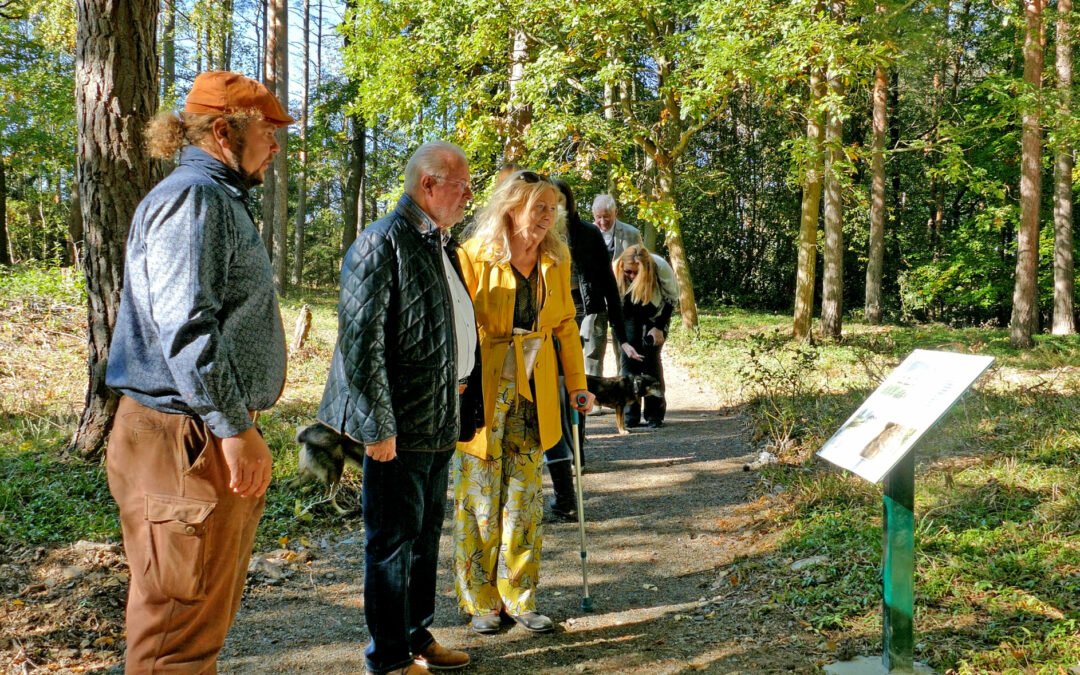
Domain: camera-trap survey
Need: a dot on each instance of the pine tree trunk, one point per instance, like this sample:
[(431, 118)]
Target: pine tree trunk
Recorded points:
[(270, 71), (1064, 322), (832, 280), (5, 247), (1025, 314), (811, 204), (115, 96), (877, 199), (168, 48), (280, 23), (301, 180)]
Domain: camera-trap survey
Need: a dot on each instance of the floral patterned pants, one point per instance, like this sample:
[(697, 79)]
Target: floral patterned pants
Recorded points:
[(498, 507)]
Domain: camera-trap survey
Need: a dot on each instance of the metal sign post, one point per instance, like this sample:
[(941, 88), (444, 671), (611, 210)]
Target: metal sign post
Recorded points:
[(898, 567)]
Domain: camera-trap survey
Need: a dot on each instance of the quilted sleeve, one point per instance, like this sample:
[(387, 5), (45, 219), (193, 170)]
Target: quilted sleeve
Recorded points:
[(367, 279)]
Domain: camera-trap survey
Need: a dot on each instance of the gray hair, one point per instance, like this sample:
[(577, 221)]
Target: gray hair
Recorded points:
[(430, 159), (604, 202)]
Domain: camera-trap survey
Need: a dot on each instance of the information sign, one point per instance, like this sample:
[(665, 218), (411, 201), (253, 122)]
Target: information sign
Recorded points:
[(901, 410)]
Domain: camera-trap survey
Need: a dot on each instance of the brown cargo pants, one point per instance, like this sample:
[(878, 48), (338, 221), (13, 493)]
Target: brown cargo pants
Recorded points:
[(187, 536)]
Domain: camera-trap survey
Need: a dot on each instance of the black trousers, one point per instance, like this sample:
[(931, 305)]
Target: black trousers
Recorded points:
[(655, 406)]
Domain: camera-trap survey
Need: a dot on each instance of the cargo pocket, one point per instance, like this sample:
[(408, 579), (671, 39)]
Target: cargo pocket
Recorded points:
[(176, 550)]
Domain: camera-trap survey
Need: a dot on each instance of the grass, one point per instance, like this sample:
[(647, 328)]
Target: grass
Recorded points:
[(997, 513)]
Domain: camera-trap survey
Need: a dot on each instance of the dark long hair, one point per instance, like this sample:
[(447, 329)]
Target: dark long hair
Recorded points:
[(573, 220)]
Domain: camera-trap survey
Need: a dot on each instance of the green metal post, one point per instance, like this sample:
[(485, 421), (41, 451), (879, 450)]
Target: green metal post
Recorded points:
[(898, 566)]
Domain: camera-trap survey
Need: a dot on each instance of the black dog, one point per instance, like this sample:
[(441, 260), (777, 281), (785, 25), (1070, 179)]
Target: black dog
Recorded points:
[(619, 392), (323, 455)]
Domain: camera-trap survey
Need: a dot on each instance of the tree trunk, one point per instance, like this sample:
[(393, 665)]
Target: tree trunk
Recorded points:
[(877, 199), (115, 96), (168, 49), (301, 180), (5, 252), (676, 250), (280, 22), (832, 280), (811, 204), (1025, 315), (1064, 323), (519, 115), (270, 71), (353, 198)]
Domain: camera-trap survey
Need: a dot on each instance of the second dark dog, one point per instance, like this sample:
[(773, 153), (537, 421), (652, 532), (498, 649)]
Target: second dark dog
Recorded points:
[(323, 456), (619, 392)]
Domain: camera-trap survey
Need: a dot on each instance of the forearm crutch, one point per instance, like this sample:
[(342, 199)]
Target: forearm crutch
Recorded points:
[(586, 601)]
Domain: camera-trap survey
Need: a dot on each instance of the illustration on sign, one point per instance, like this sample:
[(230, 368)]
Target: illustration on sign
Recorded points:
[(901, 410)]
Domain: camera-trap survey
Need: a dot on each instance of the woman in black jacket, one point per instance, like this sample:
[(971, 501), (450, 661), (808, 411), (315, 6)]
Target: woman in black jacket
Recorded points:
[(646, 317), (593, 290)]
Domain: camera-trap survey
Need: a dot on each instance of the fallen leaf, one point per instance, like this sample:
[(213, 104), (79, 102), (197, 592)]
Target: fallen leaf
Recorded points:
[(284, 541), (649, 587), (104, 640), (17, 603)]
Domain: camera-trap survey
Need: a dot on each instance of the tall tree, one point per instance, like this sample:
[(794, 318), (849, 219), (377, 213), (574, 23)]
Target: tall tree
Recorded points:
[(1025, 315), (354, 209), (168, 48), (832, 280), (5, 248), (1064, 323), (519, 115), (811, 204), (301, 179), (115, 96), (279, 22), (269, 75), (877, 196)]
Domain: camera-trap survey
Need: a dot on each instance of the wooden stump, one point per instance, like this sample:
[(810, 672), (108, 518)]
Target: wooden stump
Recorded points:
[(303, 325)]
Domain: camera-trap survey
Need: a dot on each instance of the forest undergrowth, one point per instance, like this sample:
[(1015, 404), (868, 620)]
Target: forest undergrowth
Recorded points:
[(997, 516)]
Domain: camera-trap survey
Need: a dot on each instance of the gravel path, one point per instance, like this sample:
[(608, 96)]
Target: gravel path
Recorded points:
[(667, 512)]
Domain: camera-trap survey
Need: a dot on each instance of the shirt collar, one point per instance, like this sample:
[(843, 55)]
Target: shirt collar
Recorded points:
[(423, 222), (228, 177)]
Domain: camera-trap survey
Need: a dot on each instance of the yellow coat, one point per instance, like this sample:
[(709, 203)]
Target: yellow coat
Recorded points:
[(493, 289)]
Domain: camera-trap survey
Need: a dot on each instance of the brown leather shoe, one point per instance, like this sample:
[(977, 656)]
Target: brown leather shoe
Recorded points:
[(437, 657)]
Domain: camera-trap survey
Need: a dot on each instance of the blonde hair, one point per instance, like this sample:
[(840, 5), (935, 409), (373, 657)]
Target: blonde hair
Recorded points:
[(493, 222), (169, 131), (645, 286)]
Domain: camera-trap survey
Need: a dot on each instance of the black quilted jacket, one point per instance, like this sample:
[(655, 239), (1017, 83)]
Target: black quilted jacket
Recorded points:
[(393, 372)]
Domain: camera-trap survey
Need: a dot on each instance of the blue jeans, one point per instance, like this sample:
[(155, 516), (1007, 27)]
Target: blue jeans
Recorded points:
[(404, 500)]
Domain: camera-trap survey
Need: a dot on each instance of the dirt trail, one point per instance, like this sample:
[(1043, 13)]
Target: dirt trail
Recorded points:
[(667, 513)]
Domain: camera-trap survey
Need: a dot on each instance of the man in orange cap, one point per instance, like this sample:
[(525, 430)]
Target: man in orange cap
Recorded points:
[(197, 350)]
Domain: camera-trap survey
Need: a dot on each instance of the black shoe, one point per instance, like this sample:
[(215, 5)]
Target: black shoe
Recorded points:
[(630, 424), (559, 513), (537, 623), (654, 424)]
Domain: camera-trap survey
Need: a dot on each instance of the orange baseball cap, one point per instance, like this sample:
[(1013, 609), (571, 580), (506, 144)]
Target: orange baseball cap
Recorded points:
[(221, 92)]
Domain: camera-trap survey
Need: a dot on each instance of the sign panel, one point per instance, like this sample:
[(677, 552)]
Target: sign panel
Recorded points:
[(901, 410)]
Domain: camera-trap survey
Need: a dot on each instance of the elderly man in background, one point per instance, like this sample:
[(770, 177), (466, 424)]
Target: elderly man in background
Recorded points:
[(618, 236), (198, 348), (407, 348)]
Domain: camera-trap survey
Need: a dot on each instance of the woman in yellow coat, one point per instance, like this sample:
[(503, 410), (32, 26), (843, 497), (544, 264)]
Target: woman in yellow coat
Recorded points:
[(517, 268)]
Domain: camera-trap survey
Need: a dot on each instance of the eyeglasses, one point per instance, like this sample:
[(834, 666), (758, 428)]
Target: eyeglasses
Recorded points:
[(531, 177), (466, 186)]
